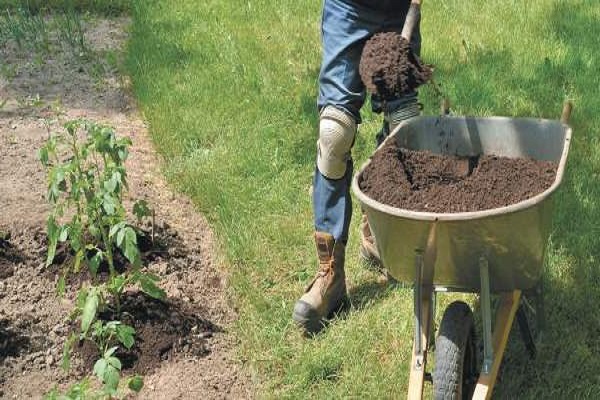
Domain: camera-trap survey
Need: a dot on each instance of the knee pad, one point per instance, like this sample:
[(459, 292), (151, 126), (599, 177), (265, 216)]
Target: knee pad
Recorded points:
[(336, 137), (401, 110)]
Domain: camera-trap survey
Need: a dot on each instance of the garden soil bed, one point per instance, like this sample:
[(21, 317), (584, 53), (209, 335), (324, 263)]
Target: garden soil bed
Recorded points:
[(184, 345), (424, 181)]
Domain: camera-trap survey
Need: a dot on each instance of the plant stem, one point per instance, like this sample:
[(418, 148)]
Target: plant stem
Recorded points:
[(111, 265)]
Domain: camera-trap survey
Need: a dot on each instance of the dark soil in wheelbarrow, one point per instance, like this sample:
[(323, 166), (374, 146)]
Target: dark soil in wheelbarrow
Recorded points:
[(424, 181)]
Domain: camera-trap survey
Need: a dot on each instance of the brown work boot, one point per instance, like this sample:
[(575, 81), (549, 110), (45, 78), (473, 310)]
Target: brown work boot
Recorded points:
[(368, 247), (326, 294), (369, 253)]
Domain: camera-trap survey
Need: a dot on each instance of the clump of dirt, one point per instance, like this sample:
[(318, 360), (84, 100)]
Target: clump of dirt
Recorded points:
[(424, 181), (12, 342), (8, 257), (163, 330), (388, 67)]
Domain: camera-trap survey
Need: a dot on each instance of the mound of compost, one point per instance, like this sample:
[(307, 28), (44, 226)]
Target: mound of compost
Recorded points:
[(163, 330), (388, 67), (424, 181)]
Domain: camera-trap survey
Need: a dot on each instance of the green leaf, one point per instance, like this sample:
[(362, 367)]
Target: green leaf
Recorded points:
[(117, 284), (100, 368), (148, 283), (125, 334), (61, 285), (136, 383), (131, 250), (112, 324), (115, 228), (89, 310), (108, 203), (112, 350), (115, 362), (107, 369), (53, 230), (98, 329), (72, 126), (78, 258), (57, 183), (64, 233), (117, 177), (120, 237), (66, 357), (111, 379), (110, 184), (43, 155), (122, 154), (79, 391), (141, 209), (76, 234), (94, 231), (94, 262)]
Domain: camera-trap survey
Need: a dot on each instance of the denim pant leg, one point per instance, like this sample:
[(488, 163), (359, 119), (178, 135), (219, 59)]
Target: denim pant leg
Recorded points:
[(345, 27), (332, 204)]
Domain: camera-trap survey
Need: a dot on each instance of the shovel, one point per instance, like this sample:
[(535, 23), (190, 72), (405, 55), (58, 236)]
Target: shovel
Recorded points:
[(412, 19), (462, 167)]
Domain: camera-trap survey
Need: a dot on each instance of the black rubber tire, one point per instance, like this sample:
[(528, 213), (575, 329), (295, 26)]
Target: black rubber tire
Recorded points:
[(455, 354)]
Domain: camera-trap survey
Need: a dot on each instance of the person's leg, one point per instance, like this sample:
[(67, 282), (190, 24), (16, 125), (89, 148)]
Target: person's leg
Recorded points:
[(345, 28)]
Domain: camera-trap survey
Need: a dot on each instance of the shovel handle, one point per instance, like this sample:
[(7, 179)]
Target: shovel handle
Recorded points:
[(412, 19)]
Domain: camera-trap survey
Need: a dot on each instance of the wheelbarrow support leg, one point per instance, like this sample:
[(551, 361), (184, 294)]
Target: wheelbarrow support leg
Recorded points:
[(418, 301), (525, 329), (486, 316), (423, 297)]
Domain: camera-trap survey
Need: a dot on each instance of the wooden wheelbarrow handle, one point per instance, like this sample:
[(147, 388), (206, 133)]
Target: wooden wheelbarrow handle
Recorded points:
[(566, 112)]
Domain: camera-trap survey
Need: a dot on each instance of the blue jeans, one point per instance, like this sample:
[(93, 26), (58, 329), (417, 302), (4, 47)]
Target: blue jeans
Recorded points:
[(345, 27)]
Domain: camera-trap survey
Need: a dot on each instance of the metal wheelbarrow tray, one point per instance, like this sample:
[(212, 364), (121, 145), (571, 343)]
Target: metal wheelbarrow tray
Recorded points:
[(500, 250), (512, 238)]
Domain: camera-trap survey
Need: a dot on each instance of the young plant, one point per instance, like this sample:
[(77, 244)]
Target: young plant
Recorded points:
[(83, 390), (87, 181)]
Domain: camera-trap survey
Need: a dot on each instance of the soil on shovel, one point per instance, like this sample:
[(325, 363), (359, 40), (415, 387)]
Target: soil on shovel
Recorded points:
[(424, 181), (388, 67)]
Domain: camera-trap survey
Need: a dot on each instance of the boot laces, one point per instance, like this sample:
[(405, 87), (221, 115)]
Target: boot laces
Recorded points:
[(326, 273)]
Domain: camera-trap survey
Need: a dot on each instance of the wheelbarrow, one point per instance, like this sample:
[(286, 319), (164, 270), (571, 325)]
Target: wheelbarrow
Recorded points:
[(496, 252)]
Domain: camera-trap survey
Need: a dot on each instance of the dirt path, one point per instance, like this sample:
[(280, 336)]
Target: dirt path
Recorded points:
[(32, 327)]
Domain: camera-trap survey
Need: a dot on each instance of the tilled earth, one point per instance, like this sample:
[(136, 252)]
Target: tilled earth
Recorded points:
[(424, 181), (184, 346)]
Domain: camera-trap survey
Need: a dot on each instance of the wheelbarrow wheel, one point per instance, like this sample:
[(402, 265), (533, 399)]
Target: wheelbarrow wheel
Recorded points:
[(455, 370)]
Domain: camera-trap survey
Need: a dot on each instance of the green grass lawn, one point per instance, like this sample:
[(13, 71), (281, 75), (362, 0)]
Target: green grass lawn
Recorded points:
[(229, 87), (103, 7)]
